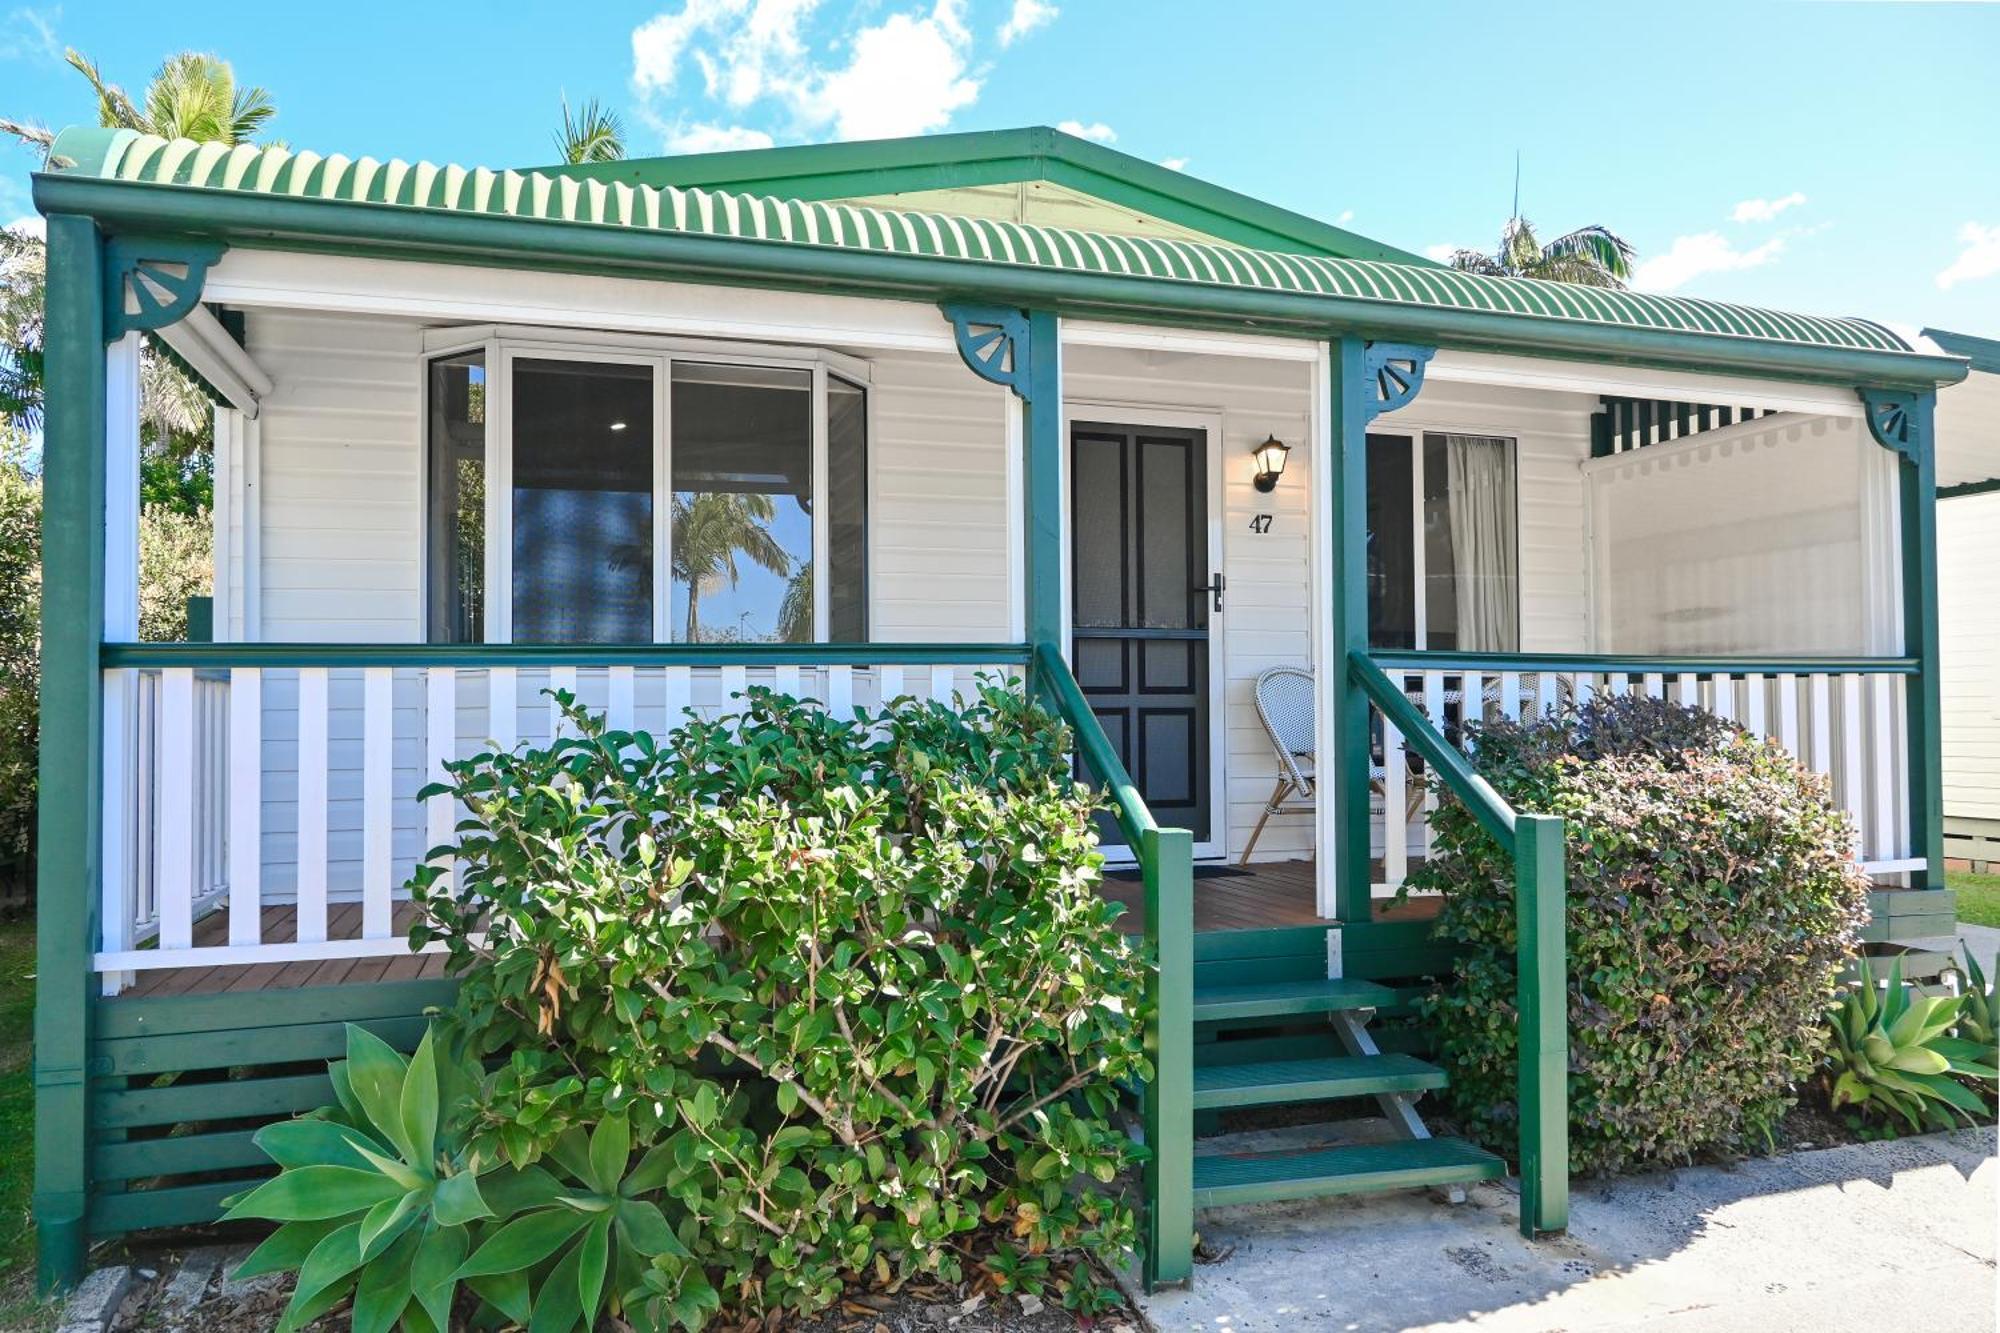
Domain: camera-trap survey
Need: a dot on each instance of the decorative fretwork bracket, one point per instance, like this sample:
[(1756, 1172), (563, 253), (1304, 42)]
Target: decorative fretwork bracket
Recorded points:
[(993, 342), (1394, 372), (151, 282), (1896, 424)]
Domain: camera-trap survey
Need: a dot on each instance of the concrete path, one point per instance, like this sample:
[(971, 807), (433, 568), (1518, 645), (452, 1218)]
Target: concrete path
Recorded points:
[(1867, 1237)]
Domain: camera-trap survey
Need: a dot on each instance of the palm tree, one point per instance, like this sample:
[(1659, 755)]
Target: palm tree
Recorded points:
[(192, 96), (1589, 256), (710, 530), (593, 134)]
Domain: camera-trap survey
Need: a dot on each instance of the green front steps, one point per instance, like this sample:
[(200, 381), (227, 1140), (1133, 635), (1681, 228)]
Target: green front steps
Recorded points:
[(1284, 999), (1353, 1169), (1279, 1081), (1235, 1068)]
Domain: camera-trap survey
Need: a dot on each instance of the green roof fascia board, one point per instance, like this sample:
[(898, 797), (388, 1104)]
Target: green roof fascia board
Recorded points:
[(823, 172), (276, 221)]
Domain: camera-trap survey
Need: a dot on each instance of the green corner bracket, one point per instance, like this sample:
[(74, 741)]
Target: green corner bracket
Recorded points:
[(145, 269), (993, 341), (1393, 374), (1896, 424)]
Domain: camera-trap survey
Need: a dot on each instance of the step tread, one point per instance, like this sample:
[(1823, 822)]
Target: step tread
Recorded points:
[(1346, 1169), (1311, 995), (1265, 1083)]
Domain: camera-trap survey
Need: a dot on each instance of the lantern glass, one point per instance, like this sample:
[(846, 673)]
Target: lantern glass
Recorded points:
[(1270, 456)]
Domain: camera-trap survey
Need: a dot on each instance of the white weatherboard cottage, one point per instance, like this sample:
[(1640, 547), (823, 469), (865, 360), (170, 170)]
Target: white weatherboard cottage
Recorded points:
[(865, 420)]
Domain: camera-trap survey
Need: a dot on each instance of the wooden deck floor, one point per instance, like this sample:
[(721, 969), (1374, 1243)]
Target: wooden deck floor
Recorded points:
[(1226, 897), (343, 921)]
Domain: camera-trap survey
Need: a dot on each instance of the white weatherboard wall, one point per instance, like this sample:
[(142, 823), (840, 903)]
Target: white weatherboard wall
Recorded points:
[(1969, 641), (338, 557), (1266, 618)]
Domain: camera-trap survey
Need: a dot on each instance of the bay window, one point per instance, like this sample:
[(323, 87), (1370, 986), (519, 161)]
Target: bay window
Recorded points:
[(622, 496)]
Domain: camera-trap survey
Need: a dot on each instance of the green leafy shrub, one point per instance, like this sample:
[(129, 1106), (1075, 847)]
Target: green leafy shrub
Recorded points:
[(1896, 1059), (1712, 902), (846, 983)]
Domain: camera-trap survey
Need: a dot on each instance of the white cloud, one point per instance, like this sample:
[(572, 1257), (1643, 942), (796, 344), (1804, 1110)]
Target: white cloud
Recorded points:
[(34, 224), (1441, 253), (1765, 210), (907, 74), (1346, 216), (1979, 259), (715, 138), (1097, 130), (1028, 15), (1691, 256), (1174, 163), (30, 34)]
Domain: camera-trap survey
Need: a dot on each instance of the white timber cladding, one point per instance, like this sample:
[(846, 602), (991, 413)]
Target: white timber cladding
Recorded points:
[(1969, 644), (329, 481)]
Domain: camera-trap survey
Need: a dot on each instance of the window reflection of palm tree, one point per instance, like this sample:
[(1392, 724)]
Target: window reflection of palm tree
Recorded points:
[(710, 531)]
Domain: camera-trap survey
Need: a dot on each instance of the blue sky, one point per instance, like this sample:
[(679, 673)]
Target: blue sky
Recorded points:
[(1833, 158)]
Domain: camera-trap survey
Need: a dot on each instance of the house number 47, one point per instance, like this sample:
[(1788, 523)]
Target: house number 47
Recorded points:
[(1261, 523)]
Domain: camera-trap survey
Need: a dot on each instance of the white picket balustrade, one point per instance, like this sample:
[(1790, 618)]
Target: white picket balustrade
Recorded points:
[(1848, 725), (269, 813)]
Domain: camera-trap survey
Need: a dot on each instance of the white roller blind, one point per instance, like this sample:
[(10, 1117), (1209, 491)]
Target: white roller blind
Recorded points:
[(1773, 538)]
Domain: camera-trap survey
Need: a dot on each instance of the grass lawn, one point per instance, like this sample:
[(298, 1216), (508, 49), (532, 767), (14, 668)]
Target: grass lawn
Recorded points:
[(18, 1309), (1978, 897)]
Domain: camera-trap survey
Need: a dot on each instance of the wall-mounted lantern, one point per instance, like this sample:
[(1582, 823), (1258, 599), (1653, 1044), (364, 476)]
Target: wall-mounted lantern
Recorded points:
[(1270, 456)]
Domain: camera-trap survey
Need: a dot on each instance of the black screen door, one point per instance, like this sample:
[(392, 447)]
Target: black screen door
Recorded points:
[(1140, 606)]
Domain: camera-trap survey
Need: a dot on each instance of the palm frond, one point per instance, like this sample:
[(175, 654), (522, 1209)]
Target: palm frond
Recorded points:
[(1474, 261), (593, 134), (252, 107), (114, 108), (1608, 250), (31, 133)]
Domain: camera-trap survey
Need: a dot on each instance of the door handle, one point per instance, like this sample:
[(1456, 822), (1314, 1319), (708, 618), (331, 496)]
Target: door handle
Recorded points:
[(1218, 587)]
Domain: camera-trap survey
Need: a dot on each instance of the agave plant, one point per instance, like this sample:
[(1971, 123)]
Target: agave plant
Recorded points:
[(574, 1246), (1893, 1055), (375, 1202), (1979, 1011)]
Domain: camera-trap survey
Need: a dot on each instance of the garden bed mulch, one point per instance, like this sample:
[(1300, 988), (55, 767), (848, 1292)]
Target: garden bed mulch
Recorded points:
[(204, 1300)]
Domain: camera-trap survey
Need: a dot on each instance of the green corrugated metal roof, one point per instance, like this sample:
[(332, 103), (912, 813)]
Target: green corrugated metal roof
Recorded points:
[(126, 156)]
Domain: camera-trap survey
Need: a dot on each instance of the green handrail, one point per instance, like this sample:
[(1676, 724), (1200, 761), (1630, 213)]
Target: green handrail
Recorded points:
[(1536, 844), (1413, 659), (1493, 813), (1166, 866), (474, 655), (1135, 821)]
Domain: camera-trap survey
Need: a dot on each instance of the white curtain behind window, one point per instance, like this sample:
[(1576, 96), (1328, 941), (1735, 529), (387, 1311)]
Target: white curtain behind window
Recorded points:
[(1480, 486)]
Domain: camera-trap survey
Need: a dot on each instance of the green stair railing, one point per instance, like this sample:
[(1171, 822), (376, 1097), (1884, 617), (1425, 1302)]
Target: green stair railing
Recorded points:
[(1166, 865), (1536, 844)]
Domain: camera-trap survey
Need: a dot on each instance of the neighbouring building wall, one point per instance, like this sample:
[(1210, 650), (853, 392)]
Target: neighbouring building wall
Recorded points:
[(1969, 639)]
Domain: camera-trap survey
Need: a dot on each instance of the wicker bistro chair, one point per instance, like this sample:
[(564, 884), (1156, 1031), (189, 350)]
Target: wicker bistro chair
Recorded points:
[(1284, 698)]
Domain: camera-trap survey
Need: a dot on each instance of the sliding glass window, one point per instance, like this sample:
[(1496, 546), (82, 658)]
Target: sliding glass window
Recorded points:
[(1443, 550), (739, 487)]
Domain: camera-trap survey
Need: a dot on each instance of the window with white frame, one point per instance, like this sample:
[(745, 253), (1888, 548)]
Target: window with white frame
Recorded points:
[(1443, 554), (632, 496)]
